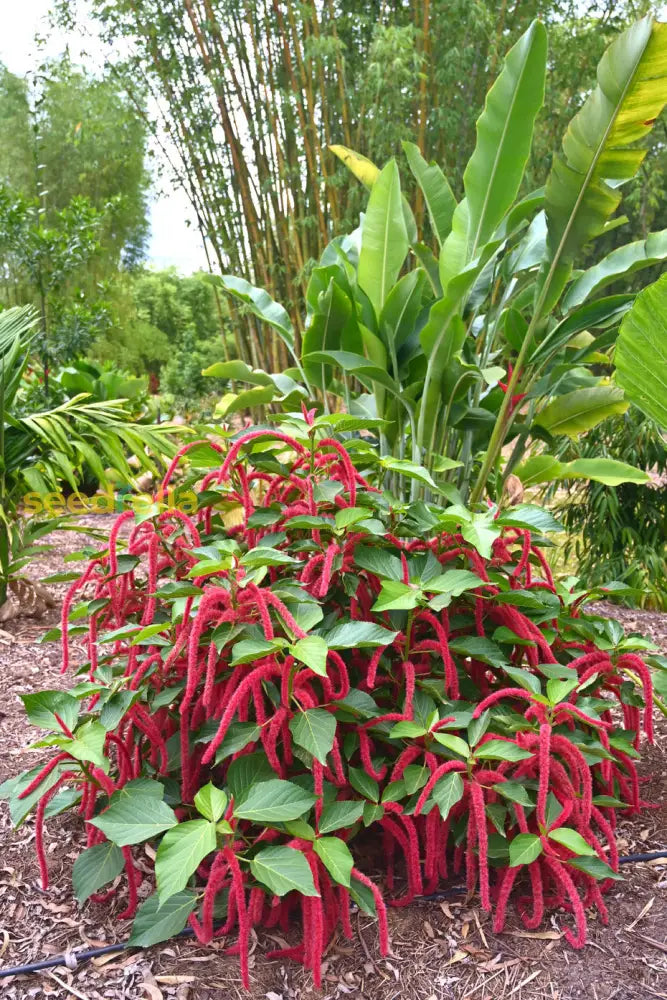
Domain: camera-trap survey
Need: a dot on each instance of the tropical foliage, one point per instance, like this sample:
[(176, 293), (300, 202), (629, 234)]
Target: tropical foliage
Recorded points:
[(489, 337), (43, 449), (619, 532), (255, 698)]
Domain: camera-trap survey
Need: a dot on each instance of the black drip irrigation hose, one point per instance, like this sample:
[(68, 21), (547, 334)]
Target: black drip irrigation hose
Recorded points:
[(74, 958)]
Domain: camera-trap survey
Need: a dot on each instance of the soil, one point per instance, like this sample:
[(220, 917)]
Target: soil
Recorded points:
[(440, 949)]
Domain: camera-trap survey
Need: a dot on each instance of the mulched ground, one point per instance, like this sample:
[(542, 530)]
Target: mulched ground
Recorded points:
[(440, 949)]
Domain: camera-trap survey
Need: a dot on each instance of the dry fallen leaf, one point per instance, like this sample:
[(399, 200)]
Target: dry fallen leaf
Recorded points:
[(538, 935), (641, 915), (174, 980), (154, 992), (458, 956)]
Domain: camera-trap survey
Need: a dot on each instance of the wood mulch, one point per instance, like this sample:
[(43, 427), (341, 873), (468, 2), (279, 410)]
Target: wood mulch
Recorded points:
[(440, 949)]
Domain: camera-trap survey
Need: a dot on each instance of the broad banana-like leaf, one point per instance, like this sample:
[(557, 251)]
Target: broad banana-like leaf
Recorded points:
[(438, 195), (332, 327), (578, 411), (400, 311), (384, 239), (454, 251), (641, 352), (590, 316), (357, 364), (504, 133), (617, 264), (530, 251), (261, 304), (233, 402), (600, 148), (237, 371), (548, 469), (362, 168)]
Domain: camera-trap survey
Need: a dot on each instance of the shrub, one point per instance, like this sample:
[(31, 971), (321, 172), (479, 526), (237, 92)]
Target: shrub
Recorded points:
[(254, 697), (621, 532)]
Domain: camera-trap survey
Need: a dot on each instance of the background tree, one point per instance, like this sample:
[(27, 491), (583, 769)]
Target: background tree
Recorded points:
[(73, 200), (252, 95), (167, 326)]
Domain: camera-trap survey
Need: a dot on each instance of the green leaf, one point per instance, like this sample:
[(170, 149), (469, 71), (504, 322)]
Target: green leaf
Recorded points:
[(283, 870), (247, 771), (501, 750), (524, 678), (569, 838), (134, 817), (453, 743), (378, 561), (504, 132), (396, 596), (42, 707), (12, 788), (415, 777), (600, 147), (595, 867), (156, 921), (340, 814), (454, 582), (479, 648), (559, 689), (363, 897), (528, 515), (359, 635), (266, 556), (447, 791), (313, 651), (350, 515), (250, 650), (181, 851), (603, 470), (409, 469), (261, 304), (401, 310), (407, 729), (617, 264), (88, 744), (237, 738), (515, 792), (274, 801), (211, 802), (95, 867), (578, 411), (641, 352), (364, 784), (336, 858), (115, 708), (384, 239), (526, 847), (315, 731), (438, 195), (148, 632)]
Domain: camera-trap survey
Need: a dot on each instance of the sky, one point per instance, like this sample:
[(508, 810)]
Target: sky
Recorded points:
[(172, 241)]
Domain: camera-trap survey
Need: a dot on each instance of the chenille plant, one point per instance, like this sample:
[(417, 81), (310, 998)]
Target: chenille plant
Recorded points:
[(251, 700)]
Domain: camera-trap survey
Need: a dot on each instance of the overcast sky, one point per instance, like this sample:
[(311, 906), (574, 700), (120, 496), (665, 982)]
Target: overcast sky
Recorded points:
[(172, 242)]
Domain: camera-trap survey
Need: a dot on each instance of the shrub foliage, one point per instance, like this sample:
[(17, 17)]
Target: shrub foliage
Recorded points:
[(254, 698)]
